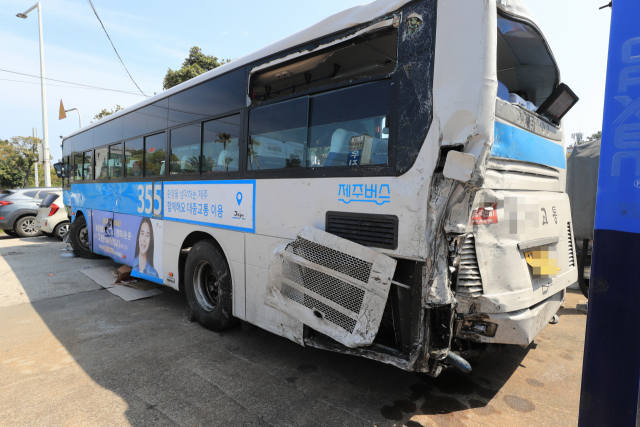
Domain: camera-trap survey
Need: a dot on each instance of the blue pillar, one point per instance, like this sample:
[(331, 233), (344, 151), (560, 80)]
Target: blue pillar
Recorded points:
[(611, 371)]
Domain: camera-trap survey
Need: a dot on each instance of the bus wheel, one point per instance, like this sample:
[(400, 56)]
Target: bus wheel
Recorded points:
[(79, 238), (208, 287)]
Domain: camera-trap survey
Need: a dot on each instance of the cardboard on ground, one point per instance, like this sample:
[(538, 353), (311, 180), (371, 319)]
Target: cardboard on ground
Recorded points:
[(127, 291)]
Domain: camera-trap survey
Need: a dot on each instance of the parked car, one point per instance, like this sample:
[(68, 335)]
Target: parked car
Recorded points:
[(52, 218), (19, 208)]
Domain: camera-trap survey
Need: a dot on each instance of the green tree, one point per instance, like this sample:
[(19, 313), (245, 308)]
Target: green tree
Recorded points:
[(104, 113), (593, 137), (10, 175), (22, 150), (195, 64), (55, 181)]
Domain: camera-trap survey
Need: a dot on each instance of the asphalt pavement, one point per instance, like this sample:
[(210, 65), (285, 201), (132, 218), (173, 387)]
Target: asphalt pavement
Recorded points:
[(73, 354)]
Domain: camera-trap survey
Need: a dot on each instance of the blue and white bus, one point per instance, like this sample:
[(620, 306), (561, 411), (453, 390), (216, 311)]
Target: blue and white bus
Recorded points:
[(428, 132)]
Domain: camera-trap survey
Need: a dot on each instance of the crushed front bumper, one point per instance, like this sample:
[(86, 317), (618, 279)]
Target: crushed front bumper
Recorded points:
[(516, 327)]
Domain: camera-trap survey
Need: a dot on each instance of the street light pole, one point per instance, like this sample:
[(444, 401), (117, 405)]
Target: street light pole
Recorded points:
[(79, 115), (37, 177), (45, 129)]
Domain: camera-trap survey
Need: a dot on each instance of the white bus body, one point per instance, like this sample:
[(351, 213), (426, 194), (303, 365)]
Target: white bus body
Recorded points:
[(483, 236)]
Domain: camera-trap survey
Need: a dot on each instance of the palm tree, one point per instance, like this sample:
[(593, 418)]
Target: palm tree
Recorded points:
[(252, 153), (224, 138)]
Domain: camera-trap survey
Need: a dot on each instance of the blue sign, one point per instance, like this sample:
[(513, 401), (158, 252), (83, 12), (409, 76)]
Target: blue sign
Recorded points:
[(611, 366), (223, 204)]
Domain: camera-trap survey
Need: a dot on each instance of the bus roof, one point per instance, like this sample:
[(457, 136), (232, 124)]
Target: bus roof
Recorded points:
[(341, 21)]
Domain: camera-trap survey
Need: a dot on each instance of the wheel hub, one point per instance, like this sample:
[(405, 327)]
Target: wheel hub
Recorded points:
[(83, 237), (28, 226), (64, 229), (205, 284)]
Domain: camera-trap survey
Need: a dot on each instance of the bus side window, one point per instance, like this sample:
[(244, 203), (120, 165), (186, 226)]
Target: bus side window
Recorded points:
[(102, 170), (115, 161), (220, 150), (347, 127), (88, 165), (154, 154), (185, 149), (77, 162), (278, 135), (134, 152), (68, 177)]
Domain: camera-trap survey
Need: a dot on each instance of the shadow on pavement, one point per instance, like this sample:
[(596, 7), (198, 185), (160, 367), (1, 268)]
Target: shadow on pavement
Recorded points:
[(173, 372)]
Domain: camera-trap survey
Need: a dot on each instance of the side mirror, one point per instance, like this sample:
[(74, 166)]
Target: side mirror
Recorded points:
[(58, 167), (62, 170)]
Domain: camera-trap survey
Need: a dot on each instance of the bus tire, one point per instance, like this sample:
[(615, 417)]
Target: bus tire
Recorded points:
[(208, 287), (79, 238)]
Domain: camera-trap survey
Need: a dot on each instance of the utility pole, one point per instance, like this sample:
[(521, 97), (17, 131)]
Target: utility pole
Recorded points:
[(37, 178), (45, 129)]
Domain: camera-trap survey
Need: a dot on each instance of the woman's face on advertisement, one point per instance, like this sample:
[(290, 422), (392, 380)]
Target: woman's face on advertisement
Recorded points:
[(145, 238)]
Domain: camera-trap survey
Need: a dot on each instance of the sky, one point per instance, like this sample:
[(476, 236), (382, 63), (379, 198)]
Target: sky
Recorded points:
[(152, 39)]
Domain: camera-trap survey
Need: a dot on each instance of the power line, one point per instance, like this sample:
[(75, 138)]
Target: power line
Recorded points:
[(71, 87), (114, 47), (71, 83)]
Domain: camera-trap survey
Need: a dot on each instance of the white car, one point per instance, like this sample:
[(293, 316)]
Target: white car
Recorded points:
[(52, 217)]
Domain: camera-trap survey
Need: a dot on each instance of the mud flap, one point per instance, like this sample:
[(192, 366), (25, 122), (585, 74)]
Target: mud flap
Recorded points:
[(332, 285)]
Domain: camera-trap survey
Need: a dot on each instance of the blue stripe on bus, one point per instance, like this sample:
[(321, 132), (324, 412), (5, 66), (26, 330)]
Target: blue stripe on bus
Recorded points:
[(120, 197), (514, 143)]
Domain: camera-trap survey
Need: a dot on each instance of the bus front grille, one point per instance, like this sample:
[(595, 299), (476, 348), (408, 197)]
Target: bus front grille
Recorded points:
[(572, 259), (469, 279)]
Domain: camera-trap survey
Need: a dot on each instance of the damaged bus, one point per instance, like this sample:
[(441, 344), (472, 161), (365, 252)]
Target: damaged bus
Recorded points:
[(388, 183)]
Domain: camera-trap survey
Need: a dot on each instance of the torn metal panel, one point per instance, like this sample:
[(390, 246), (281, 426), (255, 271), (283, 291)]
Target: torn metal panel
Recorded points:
[(332, 285), (374, 352), (459, 166), (438, 288)]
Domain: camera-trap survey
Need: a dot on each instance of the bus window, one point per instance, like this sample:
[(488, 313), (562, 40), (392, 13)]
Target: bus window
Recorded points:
[(77, 163), (154, 154), (278, 135), (217, 96), (133, 152), (115, 161), (66, 177), (185, 149), (346, 126), (220, 150), (88, 165), (526, 70), (102, 170)]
